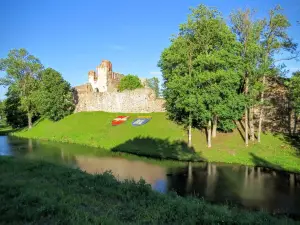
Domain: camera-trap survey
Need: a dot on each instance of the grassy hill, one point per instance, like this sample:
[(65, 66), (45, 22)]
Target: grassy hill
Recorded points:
[(164, 139)]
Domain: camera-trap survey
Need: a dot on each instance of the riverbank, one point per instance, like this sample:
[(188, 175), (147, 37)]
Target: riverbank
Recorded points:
[(43, 193), (5, 130), (161, 138)]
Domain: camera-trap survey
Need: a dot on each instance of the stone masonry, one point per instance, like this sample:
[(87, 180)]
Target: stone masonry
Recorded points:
[(101, 94)]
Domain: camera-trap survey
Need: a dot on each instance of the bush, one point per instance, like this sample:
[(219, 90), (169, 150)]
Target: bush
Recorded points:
[(129, 82)]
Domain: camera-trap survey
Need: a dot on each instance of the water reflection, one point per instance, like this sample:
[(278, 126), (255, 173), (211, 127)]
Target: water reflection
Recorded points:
[(250, 187), (124, 169)]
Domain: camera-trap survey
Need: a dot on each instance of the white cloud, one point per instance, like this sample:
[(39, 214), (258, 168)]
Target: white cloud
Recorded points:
[(155, 73)]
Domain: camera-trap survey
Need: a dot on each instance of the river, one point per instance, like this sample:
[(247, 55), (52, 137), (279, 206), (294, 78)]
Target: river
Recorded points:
[(255, 188)]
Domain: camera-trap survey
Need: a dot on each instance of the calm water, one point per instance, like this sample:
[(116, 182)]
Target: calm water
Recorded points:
[(249, 187)]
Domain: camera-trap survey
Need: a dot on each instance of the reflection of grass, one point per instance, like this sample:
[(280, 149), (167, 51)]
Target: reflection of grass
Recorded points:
[(66, 153), (5, 130), (43, 193), (94, 129)]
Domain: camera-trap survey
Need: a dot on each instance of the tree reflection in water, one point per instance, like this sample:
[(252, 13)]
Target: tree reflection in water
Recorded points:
[(250, 187)]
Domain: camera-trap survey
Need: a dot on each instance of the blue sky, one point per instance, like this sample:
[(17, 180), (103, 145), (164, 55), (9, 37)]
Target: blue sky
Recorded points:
[(73, 36)]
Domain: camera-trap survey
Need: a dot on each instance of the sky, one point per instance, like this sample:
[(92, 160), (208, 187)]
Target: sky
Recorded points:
[(74, 36)]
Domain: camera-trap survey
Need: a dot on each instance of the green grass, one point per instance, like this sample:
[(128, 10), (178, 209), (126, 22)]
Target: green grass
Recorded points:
[(161, 138), (36, 192), (4, 129)]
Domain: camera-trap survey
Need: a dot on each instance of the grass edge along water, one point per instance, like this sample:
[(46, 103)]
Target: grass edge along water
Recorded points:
[(161, 138), (57, 194)]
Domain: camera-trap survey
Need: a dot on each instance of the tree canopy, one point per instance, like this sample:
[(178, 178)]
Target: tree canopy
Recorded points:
[(22, 70), (201, 72), (129, 82), (32, 91), (54, 96)]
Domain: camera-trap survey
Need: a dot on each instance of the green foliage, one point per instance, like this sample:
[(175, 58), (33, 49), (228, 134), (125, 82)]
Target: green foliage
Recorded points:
[(294, 91), (248, 32), (21, 72), (129, 82), (15, 116), (153, 83), (275, 37), (276, 40), (200, 70), (2, 113), (226, 125), (56, 194), (54, 97)]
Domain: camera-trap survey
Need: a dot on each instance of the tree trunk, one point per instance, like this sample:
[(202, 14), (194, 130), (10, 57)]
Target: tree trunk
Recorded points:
[(246, 128), (251, 124), (246, 115), (261, 110), (209, 134), (190, 136), (289, 118), (295, 123), (29, 120), (214, 129)]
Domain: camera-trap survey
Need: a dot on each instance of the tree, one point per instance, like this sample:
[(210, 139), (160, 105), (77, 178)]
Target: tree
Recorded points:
[(200, 71), (176, 63), (129, 82), (21, 72), (248, 33), (275, 39), (153, 83), (15, 115), (2, 113), (54, 96), (294, 94)]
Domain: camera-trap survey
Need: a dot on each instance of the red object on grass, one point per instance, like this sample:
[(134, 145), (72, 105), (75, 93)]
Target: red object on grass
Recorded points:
[(119, 120)]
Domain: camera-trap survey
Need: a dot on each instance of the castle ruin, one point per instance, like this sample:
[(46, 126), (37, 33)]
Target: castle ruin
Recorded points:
[(104, 79), (101, 94)]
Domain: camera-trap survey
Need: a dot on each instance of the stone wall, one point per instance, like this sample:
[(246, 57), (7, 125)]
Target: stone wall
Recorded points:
[(277, 111), (137, 101)]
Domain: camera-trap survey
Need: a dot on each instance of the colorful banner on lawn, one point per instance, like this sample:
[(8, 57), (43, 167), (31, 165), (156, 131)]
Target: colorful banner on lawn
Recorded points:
[(119, 120), (141, 120)]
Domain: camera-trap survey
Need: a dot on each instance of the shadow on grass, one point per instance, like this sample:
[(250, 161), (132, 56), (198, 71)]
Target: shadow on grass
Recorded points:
[(291, 140), (264, 163), (240, 128), (159, 148)]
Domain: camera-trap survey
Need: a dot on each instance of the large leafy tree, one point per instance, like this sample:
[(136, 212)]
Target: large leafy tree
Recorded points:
[(201, 72), (129, 82), (177, 63), (248, 33), (54, 97), (22, 70), (275, 40)]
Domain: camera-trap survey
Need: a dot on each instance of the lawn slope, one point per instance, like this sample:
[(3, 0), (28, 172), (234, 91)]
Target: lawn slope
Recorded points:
[(164, 139), (36, 192)]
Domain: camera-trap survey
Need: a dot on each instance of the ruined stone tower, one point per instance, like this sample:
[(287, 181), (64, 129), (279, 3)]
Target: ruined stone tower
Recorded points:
[(99, 78)]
